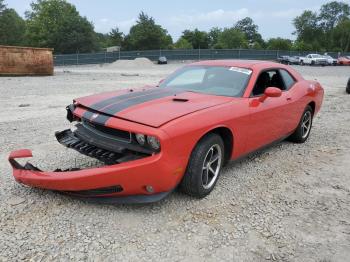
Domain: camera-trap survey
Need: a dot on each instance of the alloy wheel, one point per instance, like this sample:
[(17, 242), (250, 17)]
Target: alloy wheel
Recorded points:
[(306, 124), (211, 166)]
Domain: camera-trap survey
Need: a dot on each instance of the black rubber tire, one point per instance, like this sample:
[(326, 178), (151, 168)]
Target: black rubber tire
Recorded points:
[(348, 87), (297, 136), (191, 183)]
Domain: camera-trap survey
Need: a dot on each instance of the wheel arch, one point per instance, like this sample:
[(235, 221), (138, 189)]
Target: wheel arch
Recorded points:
[(227, 137), (313, 106)]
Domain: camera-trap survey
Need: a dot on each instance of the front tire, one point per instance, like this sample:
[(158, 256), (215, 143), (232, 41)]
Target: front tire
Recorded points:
[(204, 167), (302, 133)]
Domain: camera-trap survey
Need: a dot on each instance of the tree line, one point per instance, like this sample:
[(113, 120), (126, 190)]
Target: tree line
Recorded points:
[(57, 24)]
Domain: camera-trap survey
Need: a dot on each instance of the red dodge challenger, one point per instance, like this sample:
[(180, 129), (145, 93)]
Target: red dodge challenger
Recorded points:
[(180, 133)]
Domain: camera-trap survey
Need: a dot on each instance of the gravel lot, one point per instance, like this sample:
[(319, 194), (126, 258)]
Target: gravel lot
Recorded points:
[(287, 203)]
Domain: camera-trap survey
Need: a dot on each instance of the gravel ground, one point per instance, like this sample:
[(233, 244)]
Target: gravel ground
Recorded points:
[(287, 203)]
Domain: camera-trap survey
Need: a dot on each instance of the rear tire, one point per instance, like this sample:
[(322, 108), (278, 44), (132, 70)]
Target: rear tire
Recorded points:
[(204, 167), (302, 132)]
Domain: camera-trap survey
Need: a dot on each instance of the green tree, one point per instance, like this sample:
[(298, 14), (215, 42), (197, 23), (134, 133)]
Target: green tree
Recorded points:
[(306, 26), (57, 24), (214, 35), (12, 26), (247, 26), (302, 46), (279, 44), (115, 37), (332, 13), (182, 43), (147, 35), (198, 39), (102, 41), (232, 38), (2, 6), (308, 30), (317, 30), (341, 35)]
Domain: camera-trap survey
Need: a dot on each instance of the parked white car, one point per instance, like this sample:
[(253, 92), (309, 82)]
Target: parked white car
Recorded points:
[(313, 59), (331, 60)]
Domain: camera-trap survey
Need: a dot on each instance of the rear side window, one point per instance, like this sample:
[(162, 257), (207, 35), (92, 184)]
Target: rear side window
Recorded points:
[(287, 78)]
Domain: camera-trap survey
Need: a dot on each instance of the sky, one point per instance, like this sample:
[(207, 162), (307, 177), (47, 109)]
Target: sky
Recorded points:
[(274, 17)]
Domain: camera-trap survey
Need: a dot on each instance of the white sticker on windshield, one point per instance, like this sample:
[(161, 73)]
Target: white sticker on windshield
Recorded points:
[(241, 70)]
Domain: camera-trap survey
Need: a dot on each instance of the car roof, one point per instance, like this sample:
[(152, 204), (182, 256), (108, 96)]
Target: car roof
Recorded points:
[(251, 64), (254, 65)]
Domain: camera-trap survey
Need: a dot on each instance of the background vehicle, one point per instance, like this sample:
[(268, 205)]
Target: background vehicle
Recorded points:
[(331, 60), (162, 60), (345, 60), (153, 140), (313, 59), (288, 60), (348, 87), (283, 59), (294, 60)]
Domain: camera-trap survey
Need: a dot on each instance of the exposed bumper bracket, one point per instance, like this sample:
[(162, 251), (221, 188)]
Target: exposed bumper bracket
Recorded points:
[(70, 140)]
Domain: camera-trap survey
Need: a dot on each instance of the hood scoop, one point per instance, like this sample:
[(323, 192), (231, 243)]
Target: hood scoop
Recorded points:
[(180, 100)]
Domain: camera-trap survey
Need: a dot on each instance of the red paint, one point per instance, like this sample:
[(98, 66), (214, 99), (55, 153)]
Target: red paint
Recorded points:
[(344, 61), (254, 122)]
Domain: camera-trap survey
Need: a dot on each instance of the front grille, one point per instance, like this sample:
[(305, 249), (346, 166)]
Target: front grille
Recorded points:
[(116, 154), (68, 139), (118, 134)]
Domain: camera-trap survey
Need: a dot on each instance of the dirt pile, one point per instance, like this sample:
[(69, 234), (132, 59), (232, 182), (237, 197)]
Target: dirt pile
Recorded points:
[(141, 62)]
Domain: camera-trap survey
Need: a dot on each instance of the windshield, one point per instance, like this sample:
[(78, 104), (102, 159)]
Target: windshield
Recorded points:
[(221, 81)]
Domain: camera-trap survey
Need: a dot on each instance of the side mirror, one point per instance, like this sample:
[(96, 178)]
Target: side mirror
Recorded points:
[(271, 92)]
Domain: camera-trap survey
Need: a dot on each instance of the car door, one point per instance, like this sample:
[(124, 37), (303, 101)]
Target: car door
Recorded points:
[(294, 105), (268, 117)]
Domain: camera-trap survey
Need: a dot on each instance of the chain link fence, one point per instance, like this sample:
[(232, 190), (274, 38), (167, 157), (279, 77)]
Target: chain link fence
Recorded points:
[(171, 55)]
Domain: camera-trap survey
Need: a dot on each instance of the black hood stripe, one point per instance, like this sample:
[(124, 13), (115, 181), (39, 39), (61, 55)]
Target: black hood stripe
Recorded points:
[(112, 100), (117, 98), (122, 105), (112, 110)]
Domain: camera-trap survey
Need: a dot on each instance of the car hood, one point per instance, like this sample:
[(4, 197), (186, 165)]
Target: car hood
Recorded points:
[(151, 106)]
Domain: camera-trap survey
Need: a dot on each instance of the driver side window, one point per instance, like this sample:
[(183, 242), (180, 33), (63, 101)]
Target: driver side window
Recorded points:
[(270, 78)]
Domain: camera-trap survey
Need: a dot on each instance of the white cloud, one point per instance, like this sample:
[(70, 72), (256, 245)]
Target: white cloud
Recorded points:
[(288, 14), (219, 16), (104, 25), (126, 24), (104, 20)]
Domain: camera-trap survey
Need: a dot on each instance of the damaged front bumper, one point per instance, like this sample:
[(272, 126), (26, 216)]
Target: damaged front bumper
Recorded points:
[(141, 181), (132, 173)]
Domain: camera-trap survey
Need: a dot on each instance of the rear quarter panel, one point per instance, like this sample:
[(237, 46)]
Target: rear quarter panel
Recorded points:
[(304, 93)]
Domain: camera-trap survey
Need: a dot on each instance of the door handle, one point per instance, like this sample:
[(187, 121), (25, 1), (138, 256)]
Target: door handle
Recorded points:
[(289, 99)]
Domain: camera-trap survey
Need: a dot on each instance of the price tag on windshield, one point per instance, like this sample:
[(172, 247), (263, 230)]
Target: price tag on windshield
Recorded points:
[(241, 70)]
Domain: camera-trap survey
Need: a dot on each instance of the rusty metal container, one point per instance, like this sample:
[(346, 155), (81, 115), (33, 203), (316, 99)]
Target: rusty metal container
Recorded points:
[(19, 61)]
